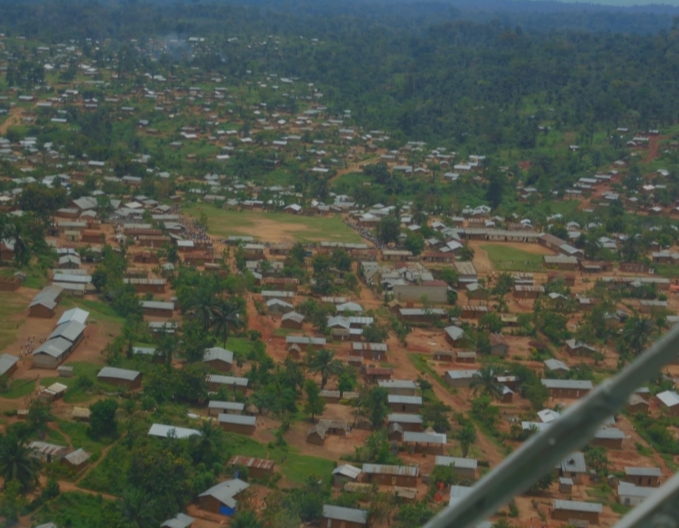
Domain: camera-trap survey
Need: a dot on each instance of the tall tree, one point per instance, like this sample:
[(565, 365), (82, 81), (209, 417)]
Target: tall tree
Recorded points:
[(485, 383), (323, 362), (17, 462)]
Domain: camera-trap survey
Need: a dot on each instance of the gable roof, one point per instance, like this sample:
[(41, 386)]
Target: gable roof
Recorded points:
[(225, 492), (7, 361), (339, 513), (77, 315), (218, 353), (118, 373)]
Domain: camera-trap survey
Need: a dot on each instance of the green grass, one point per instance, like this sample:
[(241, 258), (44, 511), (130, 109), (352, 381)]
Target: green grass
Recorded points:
[(506, 258), (11, 305), (295, 466), (670, 271), (77, 432), (18, 389), (223, 223), (76, 394), (98, 310)]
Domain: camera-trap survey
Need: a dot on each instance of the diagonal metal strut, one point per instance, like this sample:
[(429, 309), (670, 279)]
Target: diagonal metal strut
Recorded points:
[(543, 451)]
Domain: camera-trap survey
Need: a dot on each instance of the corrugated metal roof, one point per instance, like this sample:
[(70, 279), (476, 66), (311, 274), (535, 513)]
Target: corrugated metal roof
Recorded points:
[(425, 438), (225, 491), (463, 463), (237, 419), (590, 507), (381, 469), (404, 418), (347, 470), (54, 347), (643, 471), (345, 514), (70, 331), (408, 400), (233, 406), (7, 361), (228, 380), (118, 373), (164, 431), (74, 314)]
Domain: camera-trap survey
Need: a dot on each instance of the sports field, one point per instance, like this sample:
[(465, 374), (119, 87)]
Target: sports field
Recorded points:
[(508, 258), (274, 227)]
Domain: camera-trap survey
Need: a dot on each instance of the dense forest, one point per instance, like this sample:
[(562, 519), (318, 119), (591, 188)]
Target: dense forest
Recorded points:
[(421, 69)]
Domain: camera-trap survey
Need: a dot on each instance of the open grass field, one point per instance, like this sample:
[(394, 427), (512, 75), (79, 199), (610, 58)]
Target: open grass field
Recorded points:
[(275, 227), (507, 258), (11, 306), (296, 467)]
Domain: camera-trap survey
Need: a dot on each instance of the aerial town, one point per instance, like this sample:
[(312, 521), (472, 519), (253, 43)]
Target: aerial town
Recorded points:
[(225, 303)]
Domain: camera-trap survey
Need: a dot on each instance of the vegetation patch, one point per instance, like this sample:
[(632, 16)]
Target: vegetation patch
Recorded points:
[(507, 258)]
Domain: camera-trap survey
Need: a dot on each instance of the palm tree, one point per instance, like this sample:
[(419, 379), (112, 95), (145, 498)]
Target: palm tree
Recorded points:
[(166, 348), (484, 382), (16, 462), (636, 334), (203, 309), (226, 317), (207, 444), (324, 363), (136, 508)]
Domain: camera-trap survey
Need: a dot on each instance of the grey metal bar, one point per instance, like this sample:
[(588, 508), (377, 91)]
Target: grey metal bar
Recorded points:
[(542, 452), (660, 510)]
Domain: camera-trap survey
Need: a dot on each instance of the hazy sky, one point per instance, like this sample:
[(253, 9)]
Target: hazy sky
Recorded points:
[(626, 2)]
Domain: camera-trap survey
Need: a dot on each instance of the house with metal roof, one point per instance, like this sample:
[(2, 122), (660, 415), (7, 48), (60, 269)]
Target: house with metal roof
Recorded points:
[(221, 499), (632, 495), (407, 422), (339, 517), (460, 378), (454, 334), (73, 332), (77, 315), (215, 408), (643, 476), (387, 475), (179, 521), (556, 365), (569, 511), (345, 473), (425, 442), (45, 301), (8, 365), (669, 401), (574, 467), (215, 382), (131, 379), (260, 468), (404, 404), (401, 387), (47, 452), (170, 431), (218, 358), (609, 437), (237, 423), (292, 320), (464, 467), (157, 308), (51, 353), (568, 389), (77, 459)]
